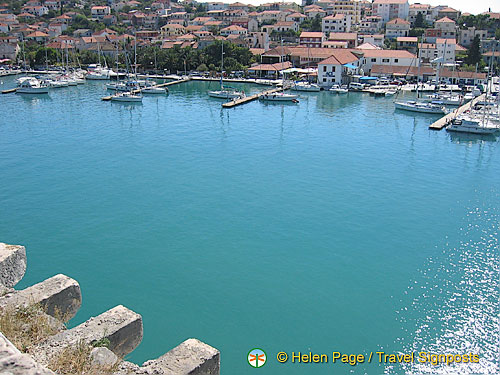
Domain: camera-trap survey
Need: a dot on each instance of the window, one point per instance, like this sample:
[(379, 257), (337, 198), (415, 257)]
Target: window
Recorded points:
[(374, 60), (324, 68), (385, 60), (324, 79), (333, 68), (396, 60)]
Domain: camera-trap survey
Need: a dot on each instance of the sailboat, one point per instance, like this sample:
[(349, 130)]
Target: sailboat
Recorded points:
[(97, 72), (280, 96), (130, 96), (225, 93), (417, 106), (476, 122)]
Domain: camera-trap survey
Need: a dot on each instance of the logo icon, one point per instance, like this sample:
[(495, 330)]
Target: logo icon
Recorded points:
[(256, 357)]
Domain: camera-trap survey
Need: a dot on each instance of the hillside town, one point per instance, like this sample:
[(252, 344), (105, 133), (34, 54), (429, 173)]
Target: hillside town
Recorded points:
[(327, 40)]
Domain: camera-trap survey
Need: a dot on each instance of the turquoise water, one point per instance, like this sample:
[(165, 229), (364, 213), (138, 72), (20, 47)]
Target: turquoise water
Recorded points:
[(336, 224)]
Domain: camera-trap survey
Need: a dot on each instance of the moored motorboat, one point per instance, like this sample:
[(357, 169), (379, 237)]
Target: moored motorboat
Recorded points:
[(31, 85), (306, 86), (468, 124)]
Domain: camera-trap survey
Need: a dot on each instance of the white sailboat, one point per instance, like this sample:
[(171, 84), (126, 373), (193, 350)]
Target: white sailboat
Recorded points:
[(475, 122), (134, 94), (418, 106), (98, 72), (280, 96), (225, 93)]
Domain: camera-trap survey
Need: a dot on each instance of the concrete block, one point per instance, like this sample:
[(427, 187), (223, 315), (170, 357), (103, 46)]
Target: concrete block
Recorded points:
[(13, 362), (12, 264), (121, 326), (59, 294), (192, 357)]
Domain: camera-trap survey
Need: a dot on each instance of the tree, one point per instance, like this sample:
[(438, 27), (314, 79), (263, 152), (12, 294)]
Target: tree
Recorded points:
[(419, 20), (474, 52), (497, 34)]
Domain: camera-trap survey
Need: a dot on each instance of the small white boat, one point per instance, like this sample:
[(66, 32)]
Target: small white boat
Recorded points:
[(279, 97), (226, 94), (390, 93), (339, 89), (414, 106), (466, 124), (127, 97), (305, 86), (31, 85), (356, 86), (154, 90)]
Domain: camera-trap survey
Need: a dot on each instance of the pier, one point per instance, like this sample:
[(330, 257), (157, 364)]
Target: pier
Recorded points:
[(138, 91), (445, 120), (247, 99)]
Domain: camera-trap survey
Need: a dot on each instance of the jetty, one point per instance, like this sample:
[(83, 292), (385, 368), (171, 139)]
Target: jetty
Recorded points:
[(247, 99), (160, 85), (445, 120)]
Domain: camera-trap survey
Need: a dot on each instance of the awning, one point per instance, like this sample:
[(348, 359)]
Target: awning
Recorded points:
[(350, 66), (368, 78)]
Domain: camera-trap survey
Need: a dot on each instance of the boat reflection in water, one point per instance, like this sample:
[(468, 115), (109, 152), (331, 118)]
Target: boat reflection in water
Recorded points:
[(469, 138)]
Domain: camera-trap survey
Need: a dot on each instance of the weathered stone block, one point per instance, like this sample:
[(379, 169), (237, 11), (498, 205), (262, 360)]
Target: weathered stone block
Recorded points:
[(12, 264), (13, 362), (192, 357), (103, 357), (121, 326), (59, 295)]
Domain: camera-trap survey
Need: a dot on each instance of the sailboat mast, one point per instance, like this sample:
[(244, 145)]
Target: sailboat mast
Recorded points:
[(418, 72), (135, 56), (222, 65)]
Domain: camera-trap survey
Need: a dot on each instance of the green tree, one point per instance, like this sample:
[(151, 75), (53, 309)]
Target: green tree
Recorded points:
[(474, 52), (497, 34), (419, 20)]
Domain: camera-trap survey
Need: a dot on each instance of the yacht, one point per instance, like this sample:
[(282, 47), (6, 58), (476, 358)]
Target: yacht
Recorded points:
[(279, 97), (127, 97), (225, 93), (97, 72), (414, 106), (31, 85), (474, 125)]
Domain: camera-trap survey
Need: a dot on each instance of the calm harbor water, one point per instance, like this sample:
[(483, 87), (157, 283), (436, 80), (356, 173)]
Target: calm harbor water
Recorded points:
[(337, 224)]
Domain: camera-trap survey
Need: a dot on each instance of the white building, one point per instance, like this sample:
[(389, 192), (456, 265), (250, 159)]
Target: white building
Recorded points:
[(350, 8), (336, 68), (447, 26), (446, 49), (371, 25), (396, 28), (98, 12), (466, 36), (374, 39), (423, 9), (386, 57), (389, 9), (339, 23), (233, 30)]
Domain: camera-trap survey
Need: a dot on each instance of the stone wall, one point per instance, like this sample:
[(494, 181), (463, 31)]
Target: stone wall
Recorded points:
[(120, 327)]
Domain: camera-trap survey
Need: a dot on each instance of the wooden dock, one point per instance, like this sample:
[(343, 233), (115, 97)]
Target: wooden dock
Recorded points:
[(247, 99), (445, 120), (156, 86)]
